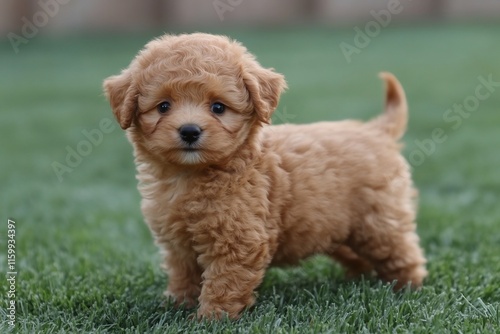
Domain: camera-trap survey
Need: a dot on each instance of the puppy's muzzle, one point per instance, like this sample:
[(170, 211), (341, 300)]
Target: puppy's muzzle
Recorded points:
[(190, 133)]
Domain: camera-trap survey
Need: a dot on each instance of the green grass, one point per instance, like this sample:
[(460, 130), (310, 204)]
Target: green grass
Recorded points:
[(87, 263)]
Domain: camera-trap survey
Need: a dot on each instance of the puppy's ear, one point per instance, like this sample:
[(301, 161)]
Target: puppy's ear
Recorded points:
[(122, 95), (265, 87)]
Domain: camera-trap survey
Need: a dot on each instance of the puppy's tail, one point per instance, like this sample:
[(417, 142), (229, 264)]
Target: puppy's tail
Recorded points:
[(395, 117)]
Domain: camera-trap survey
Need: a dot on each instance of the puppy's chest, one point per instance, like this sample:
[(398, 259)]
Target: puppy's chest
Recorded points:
[(186, 212), (184, 203), (160, 202), (175, 198)]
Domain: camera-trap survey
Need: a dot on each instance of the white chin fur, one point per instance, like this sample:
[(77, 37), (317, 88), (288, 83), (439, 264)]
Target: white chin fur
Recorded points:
[(191, 158)]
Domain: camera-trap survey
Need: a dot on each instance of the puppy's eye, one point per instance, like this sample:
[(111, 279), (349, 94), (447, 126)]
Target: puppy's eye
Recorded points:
[(218, 108), (163, 107)]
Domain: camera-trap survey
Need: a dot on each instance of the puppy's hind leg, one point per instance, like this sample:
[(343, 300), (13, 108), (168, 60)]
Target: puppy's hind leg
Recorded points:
[(386, 235), (405, 263), (392, 247), (354, 264)]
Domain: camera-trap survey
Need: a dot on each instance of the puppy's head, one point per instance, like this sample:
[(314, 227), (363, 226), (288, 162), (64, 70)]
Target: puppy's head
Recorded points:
[(193, 99)]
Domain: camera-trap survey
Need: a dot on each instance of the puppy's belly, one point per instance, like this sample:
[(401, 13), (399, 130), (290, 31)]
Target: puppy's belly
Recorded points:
[(305, 237)]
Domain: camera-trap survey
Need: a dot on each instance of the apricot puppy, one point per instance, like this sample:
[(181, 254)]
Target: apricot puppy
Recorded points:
[(226, 195)]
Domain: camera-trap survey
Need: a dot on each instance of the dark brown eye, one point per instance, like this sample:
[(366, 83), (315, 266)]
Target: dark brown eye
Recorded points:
[(218, 108), (163, 107)]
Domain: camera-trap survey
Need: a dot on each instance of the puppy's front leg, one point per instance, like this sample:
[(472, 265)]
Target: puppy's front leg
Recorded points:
[(184, 277), (234, 267)]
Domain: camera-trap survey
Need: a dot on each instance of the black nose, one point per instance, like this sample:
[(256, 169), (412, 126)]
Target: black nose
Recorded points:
[(190, 133)]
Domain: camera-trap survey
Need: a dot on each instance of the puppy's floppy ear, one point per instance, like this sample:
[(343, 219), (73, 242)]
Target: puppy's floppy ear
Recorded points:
[(122, 95), (265, 87)]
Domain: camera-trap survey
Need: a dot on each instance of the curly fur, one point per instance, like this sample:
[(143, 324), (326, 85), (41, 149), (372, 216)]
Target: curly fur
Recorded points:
[(248, 195)]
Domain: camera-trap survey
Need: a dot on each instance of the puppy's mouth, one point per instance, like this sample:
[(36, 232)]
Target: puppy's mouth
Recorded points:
[(190, 149)]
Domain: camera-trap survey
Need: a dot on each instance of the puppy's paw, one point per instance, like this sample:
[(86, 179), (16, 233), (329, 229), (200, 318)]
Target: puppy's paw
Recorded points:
[(206, 313), (183, 300)]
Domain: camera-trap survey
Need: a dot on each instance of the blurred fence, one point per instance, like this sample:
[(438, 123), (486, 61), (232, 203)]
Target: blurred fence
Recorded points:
[(61, 16)]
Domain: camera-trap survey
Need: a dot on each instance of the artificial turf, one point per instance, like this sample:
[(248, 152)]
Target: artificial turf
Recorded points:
[(86, 261)]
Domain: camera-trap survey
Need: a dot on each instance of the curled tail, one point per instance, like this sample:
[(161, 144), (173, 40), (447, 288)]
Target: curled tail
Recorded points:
[(395, 117)]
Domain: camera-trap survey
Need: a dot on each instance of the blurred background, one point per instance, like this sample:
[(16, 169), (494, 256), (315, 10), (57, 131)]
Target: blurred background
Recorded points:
[(66, 168), (131, 15)]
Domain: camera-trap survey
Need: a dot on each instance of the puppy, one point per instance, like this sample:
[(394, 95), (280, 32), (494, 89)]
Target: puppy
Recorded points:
[(226, 195)]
